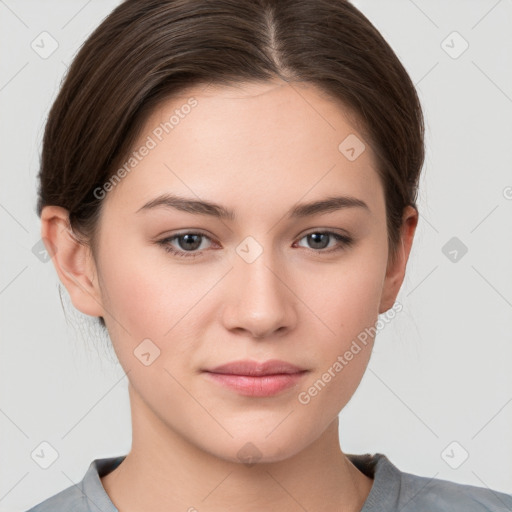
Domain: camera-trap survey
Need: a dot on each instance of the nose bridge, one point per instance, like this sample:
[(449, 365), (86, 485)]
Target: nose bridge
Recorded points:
[(259, 301)]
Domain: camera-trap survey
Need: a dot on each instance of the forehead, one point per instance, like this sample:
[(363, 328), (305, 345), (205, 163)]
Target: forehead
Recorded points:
[(265, 108), (237, 141)]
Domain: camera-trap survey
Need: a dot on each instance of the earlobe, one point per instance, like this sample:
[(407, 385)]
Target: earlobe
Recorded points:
[(395, 272), (72, 260)]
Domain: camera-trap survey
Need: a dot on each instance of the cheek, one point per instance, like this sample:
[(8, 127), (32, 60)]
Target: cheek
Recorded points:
[(148, 295), (341, 358), (147, 302), (345, 296), (346, 299)]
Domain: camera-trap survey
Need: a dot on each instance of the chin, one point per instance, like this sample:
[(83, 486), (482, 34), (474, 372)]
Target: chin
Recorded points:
[(248, 451)]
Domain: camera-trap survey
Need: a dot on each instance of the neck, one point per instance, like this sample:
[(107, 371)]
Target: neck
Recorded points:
[(164, 472)]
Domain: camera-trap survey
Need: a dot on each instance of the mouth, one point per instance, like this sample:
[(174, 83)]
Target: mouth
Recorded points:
[(251, 378)]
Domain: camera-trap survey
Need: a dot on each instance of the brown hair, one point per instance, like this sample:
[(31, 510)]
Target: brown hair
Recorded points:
[(147, 50)]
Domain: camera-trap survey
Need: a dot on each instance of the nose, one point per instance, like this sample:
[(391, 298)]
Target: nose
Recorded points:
[(259, 299)]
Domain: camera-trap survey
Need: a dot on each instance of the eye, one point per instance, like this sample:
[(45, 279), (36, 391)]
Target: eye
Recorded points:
[(188, 243), (320, 240)]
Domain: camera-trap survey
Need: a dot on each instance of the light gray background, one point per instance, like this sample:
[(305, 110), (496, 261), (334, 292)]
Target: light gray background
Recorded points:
[(440, 371)]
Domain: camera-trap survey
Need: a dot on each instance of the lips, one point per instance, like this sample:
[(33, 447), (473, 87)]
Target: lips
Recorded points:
[(257, 369), (254, 379)]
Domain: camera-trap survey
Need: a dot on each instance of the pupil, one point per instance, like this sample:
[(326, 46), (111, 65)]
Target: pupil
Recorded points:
[(189, 239), (314, 237)]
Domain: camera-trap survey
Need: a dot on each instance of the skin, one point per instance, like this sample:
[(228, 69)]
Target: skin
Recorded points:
[(257, 149)]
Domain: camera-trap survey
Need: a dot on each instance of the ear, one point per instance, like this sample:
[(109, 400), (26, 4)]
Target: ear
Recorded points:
[(395, 271), (73, 261)]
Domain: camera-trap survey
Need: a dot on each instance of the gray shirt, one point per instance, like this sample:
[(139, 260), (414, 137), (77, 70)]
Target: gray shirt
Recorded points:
[(392, 491)]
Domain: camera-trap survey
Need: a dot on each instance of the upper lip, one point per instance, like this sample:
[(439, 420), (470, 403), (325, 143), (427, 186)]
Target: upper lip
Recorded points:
[(247, 367)]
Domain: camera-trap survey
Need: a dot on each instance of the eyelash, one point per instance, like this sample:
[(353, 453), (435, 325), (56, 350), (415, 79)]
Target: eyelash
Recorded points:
[(346, 241)]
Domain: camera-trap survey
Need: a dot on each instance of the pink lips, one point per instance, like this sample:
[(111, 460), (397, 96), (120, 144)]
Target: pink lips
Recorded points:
[(251, 378)]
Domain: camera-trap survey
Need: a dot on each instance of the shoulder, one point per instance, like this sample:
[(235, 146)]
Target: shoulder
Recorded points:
[(395, 490), (418, 494), (85, 495), (71, 498)]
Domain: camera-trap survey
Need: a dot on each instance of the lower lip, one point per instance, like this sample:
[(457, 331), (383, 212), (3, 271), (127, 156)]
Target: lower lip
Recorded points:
[(266, 385)]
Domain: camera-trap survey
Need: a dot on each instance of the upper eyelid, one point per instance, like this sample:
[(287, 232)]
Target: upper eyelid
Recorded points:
[(199, 232)]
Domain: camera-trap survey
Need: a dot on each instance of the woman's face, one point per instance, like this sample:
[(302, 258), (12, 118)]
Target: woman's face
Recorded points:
[(254, 285)]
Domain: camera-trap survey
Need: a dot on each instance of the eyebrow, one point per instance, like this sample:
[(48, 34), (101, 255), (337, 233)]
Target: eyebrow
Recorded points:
[(202, 207)]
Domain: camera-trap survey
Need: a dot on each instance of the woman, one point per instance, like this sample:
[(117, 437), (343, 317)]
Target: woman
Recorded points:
[(283, 141)]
